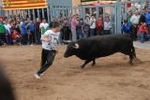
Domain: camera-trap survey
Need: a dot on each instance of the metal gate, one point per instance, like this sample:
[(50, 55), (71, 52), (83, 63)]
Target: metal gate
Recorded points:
[(101, 10), (122, 9), (117, 11), (59, 11)]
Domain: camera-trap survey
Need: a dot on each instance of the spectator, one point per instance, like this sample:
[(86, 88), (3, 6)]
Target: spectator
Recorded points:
[(126, 27), (142, 17), (74, 23), (142, 32), (87, 20), (2, 33), (135, 21), (44, 26), (65, 31), (24, 32), (107, 26), (37, 31), (148, 20), (86, 27), (79, 28), (99, 26), (129, 15), (16, 37), (8, 32), (31, 32), (92, 25)]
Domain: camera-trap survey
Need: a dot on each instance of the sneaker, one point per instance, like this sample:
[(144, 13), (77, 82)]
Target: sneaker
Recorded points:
[(37, 76), (42, 74), (31, 45)]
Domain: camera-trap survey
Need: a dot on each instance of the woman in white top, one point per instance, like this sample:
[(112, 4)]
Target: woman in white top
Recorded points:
[(49, 41), (107, 26)]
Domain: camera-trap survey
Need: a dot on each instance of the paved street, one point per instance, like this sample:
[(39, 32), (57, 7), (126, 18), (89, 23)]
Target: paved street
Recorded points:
[(145, 45)]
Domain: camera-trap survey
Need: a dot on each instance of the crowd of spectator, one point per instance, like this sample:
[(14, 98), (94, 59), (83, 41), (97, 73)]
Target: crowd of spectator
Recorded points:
[(16, 30), (138, 25)]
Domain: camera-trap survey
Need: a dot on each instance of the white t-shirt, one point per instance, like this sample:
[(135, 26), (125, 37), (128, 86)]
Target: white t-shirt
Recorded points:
[(107, 25), (135, 19), (8, 27), (45, 25), (92, 23), (50, 45)]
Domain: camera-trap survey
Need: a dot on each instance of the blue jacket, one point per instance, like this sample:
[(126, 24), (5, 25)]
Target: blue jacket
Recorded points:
[(23, 28), (147, 15), (126, 28), (32, 27)]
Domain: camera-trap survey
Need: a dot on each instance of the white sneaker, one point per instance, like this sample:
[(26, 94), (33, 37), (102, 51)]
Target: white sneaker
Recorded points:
[(37, 76), (42, 74)]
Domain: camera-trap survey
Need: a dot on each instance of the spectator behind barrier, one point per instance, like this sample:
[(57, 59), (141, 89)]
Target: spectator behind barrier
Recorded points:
[(126, 27), (143, 32)]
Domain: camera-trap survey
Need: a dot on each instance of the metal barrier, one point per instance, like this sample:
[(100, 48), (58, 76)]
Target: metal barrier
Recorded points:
[(117, 11), (101, 10), (63, 8)]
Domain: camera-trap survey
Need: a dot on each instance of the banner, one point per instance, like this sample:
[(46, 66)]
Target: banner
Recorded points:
[(87, 0), (23, 4)]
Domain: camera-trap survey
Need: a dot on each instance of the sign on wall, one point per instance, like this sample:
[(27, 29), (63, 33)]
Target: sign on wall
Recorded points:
[(23, 4)]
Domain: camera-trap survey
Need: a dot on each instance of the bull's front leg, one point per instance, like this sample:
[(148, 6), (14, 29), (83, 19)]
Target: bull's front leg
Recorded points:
[(86, 62)]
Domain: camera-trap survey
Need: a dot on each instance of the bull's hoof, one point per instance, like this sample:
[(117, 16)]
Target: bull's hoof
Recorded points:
[(93, 64), (138, 60), (82, 67), (131, 63)]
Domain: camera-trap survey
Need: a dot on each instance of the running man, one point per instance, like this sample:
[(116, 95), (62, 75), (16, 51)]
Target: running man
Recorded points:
[(49, 41)]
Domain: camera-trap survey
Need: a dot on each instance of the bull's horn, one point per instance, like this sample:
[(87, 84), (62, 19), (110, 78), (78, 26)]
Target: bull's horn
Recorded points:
[(76, 46)]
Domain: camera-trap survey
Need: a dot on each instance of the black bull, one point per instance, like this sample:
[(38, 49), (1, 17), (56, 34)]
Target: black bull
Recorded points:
[(89, 49)]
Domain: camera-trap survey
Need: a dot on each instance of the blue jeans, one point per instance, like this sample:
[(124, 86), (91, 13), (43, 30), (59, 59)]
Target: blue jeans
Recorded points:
[(142, 37), (92, 32), (106, 32)]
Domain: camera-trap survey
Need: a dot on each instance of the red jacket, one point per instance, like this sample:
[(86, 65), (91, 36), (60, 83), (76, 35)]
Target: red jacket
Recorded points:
[(143, 29), (99, 24), (15, 35)]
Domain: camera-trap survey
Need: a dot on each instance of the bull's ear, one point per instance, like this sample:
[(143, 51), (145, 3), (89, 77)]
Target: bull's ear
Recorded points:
[(76, 46)]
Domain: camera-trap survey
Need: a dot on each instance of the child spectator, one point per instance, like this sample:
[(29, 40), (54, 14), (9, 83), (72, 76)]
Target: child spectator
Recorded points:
[(143, 32), (16, 37), (126, 27), (99, 26)]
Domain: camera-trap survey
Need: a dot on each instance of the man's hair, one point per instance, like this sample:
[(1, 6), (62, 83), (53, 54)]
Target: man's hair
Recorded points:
[(125, 21), (54, 24)]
